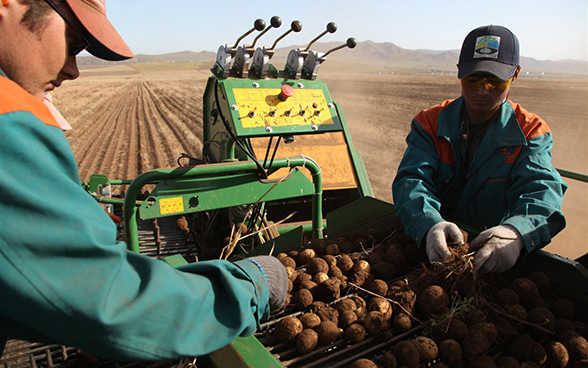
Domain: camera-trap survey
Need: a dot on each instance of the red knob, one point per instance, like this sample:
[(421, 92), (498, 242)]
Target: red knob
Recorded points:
[(286, 92)]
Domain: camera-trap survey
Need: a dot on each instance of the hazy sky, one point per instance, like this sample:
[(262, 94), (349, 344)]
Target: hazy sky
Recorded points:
[(547, 29)]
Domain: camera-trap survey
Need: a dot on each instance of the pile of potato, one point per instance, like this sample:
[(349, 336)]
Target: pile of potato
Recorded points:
[(516, 326)]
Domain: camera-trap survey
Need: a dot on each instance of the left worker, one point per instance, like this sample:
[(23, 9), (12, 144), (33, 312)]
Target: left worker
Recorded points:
[(481, 160), (63, 276)]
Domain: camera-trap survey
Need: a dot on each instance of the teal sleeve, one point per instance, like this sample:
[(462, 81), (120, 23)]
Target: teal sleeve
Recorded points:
[(413, 188), (65, 279), (536, 194)]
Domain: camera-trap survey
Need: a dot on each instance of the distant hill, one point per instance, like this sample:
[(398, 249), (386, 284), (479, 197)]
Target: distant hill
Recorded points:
[(372, 55)]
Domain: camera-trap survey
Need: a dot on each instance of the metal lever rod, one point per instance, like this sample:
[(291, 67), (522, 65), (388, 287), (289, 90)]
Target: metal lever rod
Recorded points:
[(351, 43), (331, 28), (296, 26), (275, 22), (258, 25)]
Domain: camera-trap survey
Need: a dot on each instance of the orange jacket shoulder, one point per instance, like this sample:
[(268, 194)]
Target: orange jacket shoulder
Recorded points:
[(14, 98), (531, 124)]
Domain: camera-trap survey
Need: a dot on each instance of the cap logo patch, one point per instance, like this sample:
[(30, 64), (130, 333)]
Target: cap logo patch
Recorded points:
[(487, 47)]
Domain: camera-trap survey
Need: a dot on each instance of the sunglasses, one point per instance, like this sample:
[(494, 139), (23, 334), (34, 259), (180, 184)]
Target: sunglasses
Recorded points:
[(72, 48), (491, 83)]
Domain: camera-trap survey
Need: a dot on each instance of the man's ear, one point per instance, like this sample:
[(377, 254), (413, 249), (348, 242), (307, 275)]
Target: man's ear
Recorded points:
[(516, 73)]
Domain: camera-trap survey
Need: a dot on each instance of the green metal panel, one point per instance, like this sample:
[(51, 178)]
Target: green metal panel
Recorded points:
[(361, 214), (208, 193), (358, 165), (284, 243), (241, 353), (175, 261)]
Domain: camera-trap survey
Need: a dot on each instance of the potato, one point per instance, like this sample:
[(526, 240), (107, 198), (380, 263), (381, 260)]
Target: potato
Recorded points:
[(388, 360), (309, 285), (332, 249), (320, 277), (520, 348), (316, 306), (363, 363), (359, 301), (334, 271), (542, 282), (361, 278), (355, 333), (306, 341), (481, 361), (292, 274), (327, 332), (557, 355), (427, 348), (542, 317), (375, 322), (361, 265), (347, 318), (345, 264), (328, 314), (517, 311), (575, 344), (473, 316), (525, 289), (406, 354), (487, 328), (288, 262), (538, 355), (384, 270), (330, 259), (290, 286), (379, 287), (374, 258), (346, 304), (381, 305), (562, 325), (306, 255), (401, 323), (317, 265), (433, 300), (362, 314), (453, 329), (506, 296), (310, 320), (318, 245), (288, 328), (507, 362), (395, 256), (328, 290), (450, 352), (563, 308), (303, 298), (476, 343)]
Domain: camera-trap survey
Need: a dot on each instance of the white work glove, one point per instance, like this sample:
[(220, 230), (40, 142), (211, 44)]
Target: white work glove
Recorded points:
[(438, 237), (498, 249)]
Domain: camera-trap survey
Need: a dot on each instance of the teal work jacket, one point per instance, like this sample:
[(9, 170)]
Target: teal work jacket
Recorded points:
[(512, 180), (65, 279)]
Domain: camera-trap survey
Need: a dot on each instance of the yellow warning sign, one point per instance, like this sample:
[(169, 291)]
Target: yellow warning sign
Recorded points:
[(171, 205)]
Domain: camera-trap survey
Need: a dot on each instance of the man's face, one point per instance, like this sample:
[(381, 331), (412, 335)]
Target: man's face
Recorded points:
[(482, 103), (38, 61)]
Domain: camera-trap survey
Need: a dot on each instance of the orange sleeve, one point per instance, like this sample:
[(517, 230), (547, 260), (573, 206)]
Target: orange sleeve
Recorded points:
[(14, 98)]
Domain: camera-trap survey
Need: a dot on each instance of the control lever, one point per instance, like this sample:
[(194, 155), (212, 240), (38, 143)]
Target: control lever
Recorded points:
[(226, 53), (314, 59), (244, 53), (296, 58), (263, 55)]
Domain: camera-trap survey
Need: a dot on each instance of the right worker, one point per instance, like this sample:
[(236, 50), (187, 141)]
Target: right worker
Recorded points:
[(481, 160)]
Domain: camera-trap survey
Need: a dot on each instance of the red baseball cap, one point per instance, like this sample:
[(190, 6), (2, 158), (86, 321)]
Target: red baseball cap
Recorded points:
[(105, 42)]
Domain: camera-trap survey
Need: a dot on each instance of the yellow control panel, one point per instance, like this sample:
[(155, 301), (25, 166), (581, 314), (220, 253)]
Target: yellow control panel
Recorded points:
[(271, 107)]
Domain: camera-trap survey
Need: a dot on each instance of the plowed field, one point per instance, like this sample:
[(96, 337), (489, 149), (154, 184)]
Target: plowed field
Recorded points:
[(126, 121)]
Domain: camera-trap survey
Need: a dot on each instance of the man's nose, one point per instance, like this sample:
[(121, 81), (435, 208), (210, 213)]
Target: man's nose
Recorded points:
[(70, 69)]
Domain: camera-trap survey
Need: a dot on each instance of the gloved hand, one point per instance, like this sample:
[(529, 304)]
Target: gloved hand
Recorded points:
[(498, 249), (277, 279), (438, 237)]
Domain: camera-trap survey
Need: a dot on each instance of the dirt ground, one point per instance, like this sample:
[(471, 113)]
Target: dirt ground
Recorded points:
[(128, 120)]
